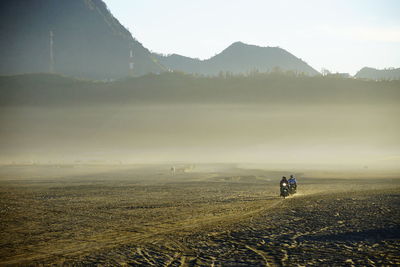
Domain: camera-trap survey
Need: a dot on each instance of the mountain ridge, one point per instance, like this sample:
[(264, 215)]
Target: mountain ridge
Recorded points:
[(89, 41), (239, 58), (376, 74)]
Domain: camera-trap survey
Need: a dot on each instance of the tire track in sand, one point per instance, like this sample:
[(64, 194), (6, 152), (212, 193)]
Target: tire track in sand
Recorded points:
[(110, 239), (268, 259)]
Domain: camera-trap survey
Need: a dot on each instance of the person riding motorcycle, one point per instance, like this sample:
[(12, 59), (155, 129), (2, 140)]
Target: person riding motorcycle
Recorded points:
[(292, 182), (283, 184)]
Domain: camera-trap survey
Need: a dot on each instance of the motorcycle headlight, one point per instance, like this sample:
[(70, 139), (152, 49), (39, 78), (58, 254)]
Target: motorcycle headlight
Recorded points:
[(284, 184)]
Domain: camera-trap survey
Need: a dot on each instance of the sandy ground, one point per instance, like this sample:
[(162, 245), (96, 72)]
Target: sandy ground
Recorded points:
[(229, 217)]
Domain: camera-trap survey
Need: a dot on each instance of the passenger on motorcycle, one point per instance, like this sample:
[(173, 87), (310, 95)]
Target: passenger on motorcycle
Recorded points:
[(292, 181), (292, 185)]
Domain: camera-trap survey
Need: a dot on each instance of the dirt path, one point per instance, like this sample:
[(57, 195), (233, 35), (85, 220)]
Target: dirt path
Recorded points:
[(158, 233)]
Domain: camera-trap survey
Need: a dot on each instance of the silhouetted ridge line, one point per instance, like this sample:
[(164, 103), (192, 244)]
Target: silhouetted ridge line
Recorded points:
[(375, 74), (239, 58)]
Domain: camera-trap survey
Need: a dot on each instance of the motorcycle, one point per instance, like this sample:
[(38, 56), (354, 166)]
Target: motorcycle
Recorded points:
[(284, 190), (292, 189)]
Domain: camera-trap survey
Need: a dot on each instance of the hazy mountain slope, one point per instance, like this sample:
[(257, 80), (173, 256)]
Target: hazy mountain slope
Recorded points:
[(375, 74), (88, 40), (239, 58), (180, 63)]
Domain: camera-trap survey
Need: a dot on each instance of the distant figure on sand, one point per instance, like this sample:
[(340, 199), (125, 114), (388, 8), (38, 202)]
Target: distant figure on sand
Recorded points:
[(292, 184), (292, 181), (284, 185), (173, 170)]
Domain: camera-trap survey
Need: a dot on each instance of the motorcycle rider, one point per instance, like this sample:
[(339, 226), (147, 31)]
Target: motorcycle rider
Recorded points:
[(292, 182), (283, 183)]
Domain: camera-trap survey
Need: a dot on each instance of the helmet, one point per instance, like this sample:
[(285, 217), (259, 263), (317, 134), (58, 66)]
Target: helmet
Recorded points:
[(291, 176)]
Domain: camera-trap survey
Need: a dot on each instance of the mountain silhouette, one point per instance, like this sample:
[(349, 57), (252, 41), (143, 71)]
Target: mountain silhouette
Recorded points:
[(88, 41), (375, 74), (239, 58)]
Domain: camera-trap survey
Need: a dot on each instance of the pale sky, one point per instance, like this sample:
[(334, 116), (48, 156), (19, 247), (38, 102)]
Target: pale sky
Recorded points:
[(341, 35)]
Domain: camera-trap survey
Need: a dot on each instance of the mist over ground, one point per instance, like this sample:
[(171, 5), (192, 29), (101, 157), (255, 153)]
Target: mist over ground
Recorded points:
[(274, 120)]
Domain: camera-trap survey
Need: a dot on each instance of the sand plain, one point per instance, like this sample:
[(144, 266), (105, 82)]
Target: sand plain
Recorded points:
[(225, 216)]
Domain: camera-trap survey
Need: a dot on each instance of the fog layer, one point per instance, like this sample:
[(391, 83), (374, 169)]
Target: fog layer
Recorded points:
[(309, 135)]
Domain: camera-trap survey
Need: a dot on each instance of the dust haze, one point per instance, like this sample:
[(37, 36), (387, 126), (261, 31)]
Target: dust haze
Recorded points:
[(276, 135)]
